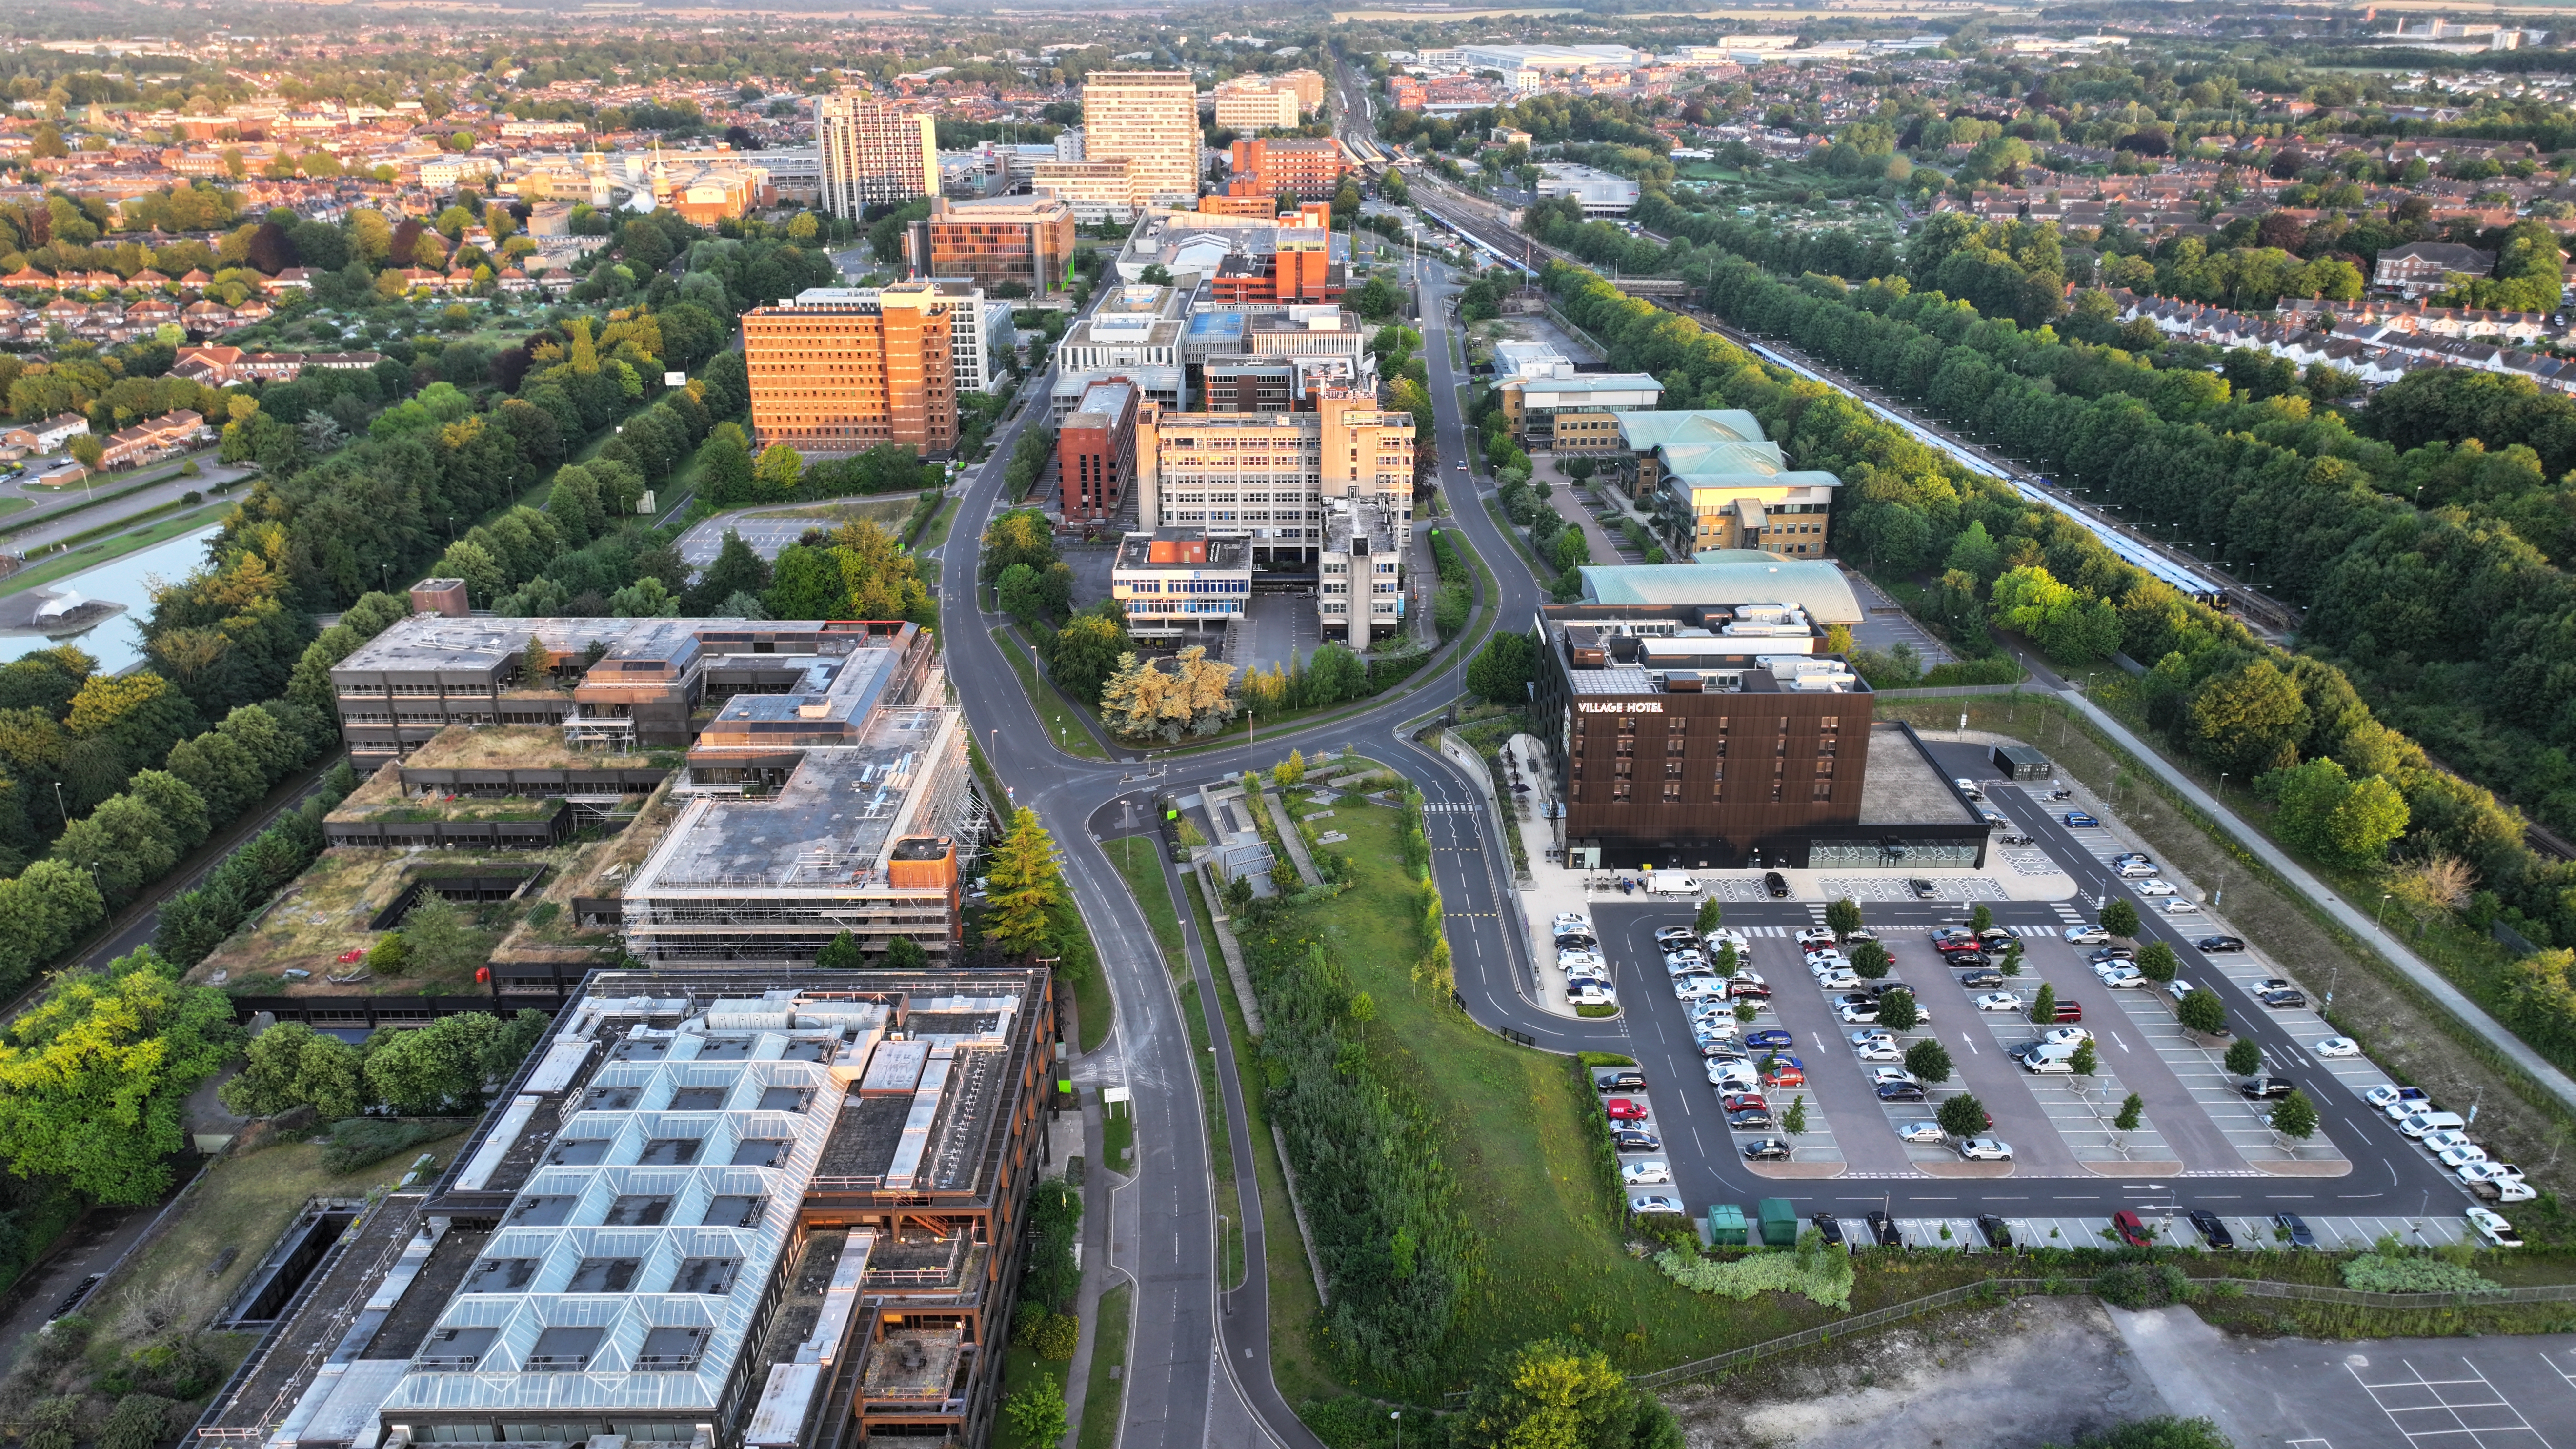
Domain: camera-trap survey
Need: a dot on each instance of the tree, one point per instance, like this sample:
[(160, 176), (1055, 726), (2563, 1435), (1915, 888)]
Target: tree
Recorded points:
[(442, 937), (2043, 1007), (1019, 536), (2120, 918), (2011, 964), (1794, 1121), (2132, 1111), (1962, 1116), (2157, 962), (1501, 671), (1290, 772), (2294, 1116), (433, 1070), (1022, 887), (2203, 1012), (94, 1077), (2244, 1057), (1843, 917), (1981, 919), (2086, 1060), (1711, 916), (291, 1065), (1927, 1059), (2338, 820), (903, 953), (736, 570), (88, 449), (1087, 650), (2249, 719), (841, 953), (1553, 1394), (1897, 1012), (1037, 1412), (1870, 960), (778, 471)]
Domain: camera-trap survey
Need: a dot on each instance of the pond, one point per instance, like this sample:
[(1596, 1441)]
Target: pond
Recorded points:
[(118, 641)]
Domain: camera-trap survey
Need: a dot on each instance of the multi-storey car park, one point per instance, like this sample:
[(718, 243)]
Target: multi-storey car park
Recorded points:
[(765, 1209)]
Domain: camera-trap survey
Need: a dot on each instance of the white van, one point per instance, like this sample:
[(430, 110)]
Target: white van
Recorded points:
[(1671, 883), (2424, 1122)]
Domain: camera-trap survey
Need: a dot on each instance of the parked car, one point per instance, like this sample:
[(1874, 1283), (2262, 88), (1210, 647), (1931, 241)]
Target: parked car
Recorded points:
[(1996, 1232), (2153, 887), (2337, 1046), (2044, 1066), (1647, 1173), (2391, 1098), (1672, 936), (2080, 820), (1777, 884), (1860, 1013), (1729, 1075), (1830, 1228), (1631, 1139), (1843, 980), (1928, 1132), (2065, 1035), (2477, 1172), (1766, 1149), (1697, 986), (2086, 935), (1967, 788), (2490, 1228), (1900, 1092), (1769, 1037), (1577, 941), (1716, 941), (2136, 869), (1625, 1109), (2000, 1001), (2297, 1229), (2181, 907), (2425, 1124), (2121, 978), (2131, 1228), (1619, 1079), (2445, 1141), (1980, 979), (2178, 988), (1967, 960), (2211, 1230), (1868, 1034), (1785, 1076), (1747, 987), (1815, 936), (1884, 1229), (1751, 1119), (1924, 890), (1589, 993), (1671, 883), (2106, 955), (2214, 944), (1880, 1050), (2459, 1157), (2265, 1089), (1655, 1205), (1571, 921), (1962, 944), (1984, 1149), (2282, 998)]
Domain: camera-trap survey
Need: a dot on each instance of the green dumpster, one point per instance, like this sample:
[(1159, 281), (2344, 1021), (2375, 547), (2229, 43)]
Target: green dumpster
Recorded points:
[(1726, 1225), (1779, 1223)]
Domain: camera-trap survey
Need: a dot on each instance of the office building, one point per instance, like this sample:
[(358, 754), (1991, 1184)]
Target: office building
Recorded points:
[(1717, 485), (1360, 582), (981, 336), (1269, 475), (1176, 581), (995, 242), (1601, 193), (1310, 168), (1552, 405), (1097, 191), (758, 1208), (1149, 119), (1251, 104), (1136, 326), (873, 152), (1720, 735), (1095, 449), (843, 377)]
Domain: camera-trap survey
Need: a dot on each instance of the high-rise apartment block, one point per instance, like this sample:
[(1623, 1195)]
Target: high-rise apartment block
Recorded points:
[(873, 152), (1250, 103), (842, 377), (995, 242), (1269, 475), (1310, 169), (1150, 120)]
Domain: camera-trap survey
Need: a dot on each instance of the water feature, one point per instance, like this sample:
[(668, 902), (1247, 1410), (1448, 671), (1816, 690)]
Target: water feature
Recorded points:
[(117, 642)]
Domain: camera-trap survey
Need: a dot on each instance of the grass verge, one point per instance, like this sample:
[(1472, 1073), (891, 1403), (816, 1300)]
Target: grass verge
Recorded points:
[(1071, 730), (1104, 1401), (89, 556), (1021, 1368), (1140, 861)]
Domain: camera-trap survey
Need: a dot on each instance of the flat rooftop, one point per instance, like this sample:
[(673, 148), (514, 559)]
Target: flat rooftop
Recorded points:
[(645, 648), (521, 747), (1901, 785), (828, 825)]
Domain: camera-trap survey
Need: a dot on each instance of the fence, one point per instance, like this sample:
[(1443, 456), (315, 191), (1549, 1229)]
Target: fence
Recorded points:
[(1505, 1032), (1997, 1289)]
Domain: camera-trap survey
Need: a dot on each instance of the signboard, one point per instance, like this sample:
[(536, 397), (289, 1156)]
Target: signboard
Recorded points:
[(675, 379)]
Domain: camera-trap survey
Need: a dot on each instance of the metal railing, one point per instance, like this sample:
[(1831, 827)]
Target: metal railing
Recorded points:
[(2002, 1289)]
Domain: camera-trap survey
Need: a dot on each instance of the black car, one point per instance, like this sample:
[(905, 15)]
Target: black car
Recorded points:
[(2297, 1228), (1981, 980), (2220, 943), (2211, 1230), (1854, 998), (1966, 959), (2264, 1089), (2284, 998), (1829, 1228), (1578, 941), (1777, 884), (1766, 1149), (1900, 1091), (1630, 1139), (1619, 1079), (1750, 1119), (2112, 953), (1884, 1229), (1878, 989), (1997, 1233)]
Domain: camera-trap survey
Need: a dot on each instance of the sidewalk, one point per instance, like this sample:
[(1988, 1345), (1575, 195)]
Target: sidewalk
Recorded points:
[(1289, 837)]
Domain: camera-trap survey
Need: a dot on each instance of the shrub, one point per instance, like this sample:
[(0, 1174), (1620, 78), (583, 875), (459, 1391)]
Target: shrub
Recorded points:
[(1820, 1274), (363, 1141), (2141, 1285), (2391, 1270)]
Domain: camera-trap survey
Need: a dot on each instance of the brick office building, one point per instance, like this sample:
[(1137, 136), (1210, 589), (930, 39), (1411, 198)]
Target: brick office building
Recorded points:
[(1096, 451), (994, 242), (1310, 169), (844, 377)]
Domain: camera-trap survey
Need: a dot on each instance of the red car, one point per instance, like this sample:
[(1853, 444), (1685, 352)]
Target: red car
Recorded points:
[(1784, 1076), (2132, 1230), (1743, 1102), (1623, 1109), (1955, 946)]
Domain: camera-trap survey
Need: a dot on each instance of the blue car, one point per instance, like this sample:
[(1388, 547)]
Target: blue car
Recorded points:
[(1769, 1039), (2077, 819), (1768, 1060)]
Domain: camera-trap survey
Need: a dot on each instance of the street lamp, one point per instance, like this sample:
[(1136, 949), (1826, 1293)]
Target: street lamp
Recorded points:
[(2379, 917), (59, 807)]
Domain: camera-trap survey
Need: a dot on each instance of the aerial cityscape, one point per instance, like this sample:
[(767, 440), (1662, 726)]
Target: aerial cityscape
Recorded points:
[(971, 726)]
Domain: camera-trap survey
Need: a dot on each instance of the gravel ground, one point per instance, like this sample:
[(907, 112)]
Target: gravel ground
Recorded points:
[(2033, 1372)]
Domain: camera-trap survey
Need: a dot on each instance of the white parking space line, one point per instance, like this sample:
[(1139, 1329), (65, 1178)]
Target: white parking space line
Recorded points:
[(2439, 1413)]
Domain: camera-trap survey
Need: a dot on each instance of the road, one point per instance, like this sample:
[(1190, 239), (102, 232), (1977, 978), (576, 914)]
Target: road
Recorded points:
[(1199, 1369), (57, 514)]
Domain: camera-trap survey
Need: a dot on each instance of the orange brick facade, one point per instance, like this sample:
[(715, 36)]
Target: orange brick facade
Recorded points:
[(844, 378), (1310, 170)]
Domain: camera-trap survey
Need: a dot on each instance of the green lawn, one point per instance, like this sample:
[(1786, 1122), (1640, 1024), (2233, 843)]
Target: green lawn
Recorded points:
[(1106, 1396), (106, 550), (1020, 1369), (1140, 860), (1074, 738), (937, 533)]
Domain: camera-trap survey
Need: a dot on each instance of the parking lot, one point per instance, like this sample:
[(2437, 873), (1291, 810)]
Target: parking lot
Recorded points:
[(2196, 1141)]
